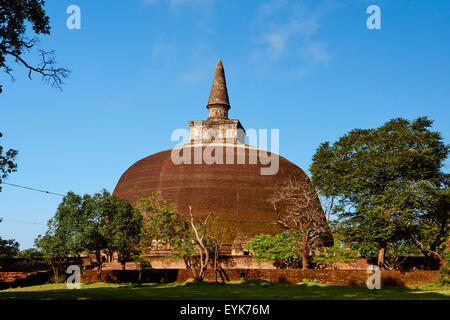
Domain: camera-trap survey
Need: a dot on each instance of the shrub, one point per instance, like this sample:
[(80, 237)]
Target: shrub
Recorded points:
[(444, 271)]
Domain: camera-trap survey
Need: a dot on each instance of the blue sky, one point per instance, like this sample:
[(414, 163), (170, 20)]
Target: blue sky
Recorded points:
[(142, 68)]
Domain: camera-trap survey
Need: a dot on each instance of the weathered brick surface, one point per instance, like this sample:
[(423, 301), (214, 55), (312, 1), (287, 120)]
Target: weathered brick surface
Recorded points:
[(22, 279), (338, 277)]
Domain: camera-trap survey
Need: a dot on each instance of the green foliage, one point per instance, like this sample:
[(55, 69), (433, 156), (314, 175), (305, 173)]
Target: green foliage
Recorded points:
[(123, 228), (8, 248), (218, 231), (7, 164), (54, 249), (311, 281), (31, 256), (331, 256), (97, 223), (388, 182), (444, 278), (164, 226), (15, 17), (280, 247)]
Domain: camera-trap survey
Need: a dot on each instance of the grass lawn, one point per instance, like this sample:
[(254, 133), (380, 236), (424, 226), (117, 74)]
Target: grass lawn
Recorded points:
[(254, 289)]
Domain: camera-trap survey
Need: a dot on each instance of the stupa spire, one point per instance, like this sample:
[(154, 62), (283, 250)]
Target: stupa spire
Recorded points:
[(218, 103)]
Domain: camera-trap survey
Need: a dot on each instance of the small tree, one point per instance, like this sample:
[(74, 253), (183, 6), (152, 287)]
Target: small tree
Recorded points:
[(54, 250), (281, 248), (219, 234), (332, 256), (163, 227), (98, 223), (32, 256), (7, 164), (298, 209), (123, 229), (108, 224), (203, 242), (444, 271), (8, 248)]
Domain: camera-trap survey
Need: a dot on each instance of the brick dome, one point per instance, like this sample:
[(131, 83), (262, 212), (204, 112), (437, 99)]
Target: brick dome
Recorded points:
[(236, 192)]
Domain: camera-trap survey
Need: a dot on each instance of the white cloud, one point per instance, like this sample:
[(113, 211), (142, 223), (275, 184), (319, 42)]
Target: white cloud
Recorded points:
[(269, 8), (288, 27), (317, 52), (162, 47), (193, 76), (178, 3), (278, 36)]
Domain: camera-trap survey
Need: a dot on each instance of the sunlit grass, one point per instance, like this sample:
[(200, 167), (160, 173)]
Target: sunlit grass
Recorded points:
[(254, 289)]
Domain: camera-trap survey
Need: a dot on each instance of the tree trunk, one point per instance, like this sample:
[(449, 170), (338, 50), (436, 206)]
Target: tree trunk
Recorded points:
[(305, 255), (215, 262), (204, 264), (431, 253), (99, 266), (381, 253), (55, 273)]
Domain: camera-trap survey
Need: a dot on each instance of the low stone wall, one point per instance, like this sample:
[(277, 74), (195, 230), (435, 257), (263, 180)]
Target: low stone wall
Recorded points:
[(248, 262), (336, 277), (227, 262), (22, 279)]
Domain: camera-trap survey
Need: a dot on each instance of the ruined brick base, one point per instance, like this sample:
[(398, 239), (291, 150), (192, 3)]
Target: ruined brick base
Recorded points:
[(337, 277)]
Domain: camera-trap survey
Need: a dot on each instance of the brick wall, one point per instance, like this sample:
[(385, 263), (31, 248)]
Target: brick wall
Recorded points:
[(338, 277), (22, 279)]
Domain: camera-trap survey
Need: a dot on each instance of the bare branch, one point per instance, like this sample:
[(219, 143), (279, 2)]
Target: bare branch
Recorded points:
[(298, 209), (51, 74)]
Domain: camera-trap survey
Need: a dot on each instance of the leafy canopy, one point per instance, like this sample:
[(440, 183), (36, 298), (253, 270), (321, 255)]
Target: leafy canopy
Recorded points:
[(8, 248), (91, 224), (7, 164), (385, 179), (278, 247), (163, 226)]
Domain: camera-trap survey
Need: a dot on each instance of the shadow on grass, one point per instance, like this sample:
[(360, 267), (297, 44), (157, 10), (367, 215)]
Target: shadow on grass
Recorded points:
[(249, 290)]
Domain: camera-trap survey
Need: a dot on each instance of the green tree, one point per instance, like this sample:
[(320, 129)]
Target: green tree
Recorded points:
[(62, 236), (7, 164), (15, 17), (163, 228), (102, 214), (97, 224), (219, 233), (8, 248), (123, 229), (444, 278), (431, 229), (54, 250), (299, 212), (204, 244), (332, 256), (32, 256), (380, 178), (281, 248)]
